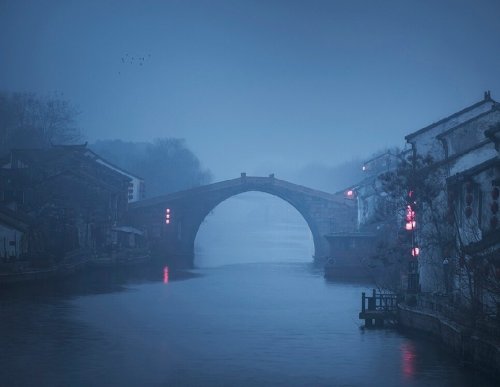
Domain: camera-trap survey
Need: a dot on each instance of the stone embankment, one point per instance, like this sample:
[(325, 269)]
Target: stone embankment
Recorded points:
[(470, 347)]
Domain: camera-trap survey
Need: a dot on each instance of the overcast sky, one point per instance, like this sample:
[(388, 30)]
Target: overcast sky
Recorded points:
[(256, 86)]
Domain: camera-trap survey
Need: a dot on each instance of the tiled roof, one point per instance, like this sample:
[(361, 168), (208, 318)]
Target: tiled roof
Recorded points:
[(487, 99)]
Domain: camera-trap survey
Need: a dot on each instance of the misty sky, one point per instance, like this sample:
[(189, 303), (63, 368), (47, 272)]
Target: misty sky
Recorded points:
[(256, 86)]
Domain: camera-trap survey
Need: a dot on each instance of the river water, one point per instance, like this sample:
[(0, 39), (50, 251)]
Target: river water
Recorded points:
[(270, 320), (276, 324)]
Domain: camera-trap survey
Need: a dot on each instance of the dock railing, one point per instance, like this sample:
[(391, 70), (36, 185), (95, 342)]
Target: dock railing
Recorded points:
[(378, 307)]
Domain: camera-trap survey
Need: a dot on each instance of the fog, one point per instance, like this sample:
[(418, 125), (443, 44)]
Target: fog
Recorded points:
[(255, 86), (304, 90), (250, 228), (109, 108)]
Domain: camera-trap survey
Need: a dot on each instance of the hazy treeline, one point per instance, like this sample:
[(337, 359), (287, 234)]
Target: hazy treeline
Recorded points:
[(166, 164), (347, 174), (331, 178), (28, 120)]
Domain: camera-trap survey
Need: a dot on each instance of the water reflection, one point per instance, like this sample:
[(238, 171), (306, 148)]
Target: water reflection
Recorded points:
[(408, 360), (165, 275), (244, 325)]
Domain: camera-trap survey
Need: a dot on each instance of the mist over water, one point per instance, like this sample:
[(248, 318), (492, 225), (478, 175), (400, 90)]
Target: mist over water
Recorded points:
[(184, 93), (253, 227), (256, 313)]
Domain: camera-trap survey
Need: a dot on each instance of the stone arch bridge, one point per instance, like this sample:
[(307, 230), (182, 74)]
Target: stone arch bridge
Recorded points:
[(186, 210)]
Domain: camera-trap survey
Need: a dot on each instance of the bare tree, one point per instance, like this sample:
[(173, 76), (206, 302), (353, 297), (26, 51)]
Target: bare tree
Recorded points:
[(477, 266), (29, 120), (445, 239), (419, 186)]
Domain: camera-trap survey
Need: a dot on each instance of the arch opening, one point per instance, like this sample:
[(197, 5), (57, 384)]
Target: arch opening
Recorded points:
[(253, 227)]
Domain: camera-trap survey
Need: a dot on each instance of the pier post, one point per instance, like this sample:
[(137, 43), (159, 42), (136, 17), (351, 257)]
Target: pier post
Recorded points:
[(372, 302)]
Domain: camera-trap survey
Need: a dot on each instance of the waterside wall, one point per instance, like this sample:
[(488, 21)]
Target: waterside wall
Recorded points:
[(473, 350)]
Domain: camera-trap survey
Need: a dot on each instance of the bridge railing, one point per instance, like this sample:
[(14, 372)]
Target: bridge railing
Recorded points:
[(257, 181)]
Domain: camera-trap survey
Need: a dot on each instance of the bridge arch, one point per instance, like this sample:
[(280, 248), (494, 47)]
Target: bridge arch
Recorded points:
[(253, 227), (309, 223), (323, 212)]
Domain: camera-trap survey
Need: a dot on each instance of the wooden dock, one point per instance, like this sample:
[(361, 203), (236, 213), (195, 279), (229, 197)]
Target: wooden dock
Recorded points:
[(378, 308)]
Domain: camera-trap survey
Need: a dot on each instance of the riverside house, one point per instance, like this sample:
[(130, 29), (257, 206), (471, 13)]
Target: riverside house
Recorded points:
[(74, 200)]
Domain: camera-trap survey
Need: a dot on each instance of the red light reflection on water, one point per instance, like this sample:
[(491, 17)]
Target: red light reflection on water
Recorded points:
[(165, 275), (408, 359)]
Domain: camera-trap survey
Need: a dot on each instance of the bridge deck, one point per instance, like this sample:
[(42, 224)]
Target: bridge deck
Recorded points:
[(248, 181)]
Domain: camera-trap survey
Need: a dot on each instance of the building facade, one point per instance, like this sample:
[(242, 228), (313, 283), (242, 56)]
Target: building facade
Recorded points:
[(454, 147), (74, 200)]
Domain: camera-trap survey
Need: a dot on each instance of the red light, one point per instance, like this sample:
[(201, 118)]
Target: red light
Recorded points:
[(410, 214), (350, 194), (415, 252), (165, 275), (410, 225)]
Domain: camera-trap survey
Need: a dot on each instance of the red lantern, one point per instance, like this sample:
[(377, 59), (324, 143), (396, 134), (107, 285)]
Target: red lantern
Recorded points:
[(409, 226)]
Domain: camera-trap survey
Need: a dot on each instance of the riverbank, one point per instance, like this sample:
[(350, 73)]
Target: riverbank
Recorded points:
[(470, 347), (20, 273)]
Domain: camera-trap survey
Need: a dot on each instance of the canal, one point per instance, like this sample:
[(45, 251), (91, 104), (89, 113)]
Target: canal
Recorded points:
[(278, 324), (271, 322)]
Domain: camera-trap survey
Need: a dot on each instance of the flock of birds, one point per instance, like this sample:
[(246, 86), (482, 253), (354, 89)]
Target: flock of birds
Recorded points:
[(134, 60)]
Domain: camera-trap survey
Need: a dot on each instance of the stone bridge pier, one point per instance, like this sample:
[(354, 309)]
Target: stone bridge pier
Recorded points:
[(172, 221)]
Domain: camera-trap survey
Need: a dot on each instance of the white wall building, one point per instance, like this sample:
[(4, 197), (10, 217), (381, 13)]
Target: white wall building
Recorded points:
[(456, 143), (369, 193), (136, 189), (425, 141)]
